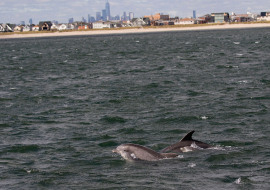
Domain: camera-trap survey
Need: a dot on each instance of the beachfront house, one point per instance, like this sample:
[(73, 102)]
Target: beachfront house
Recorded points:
[(45, 25), (2, 28), (205, 19), (66, 27), (220, 17), (102, 25), (157, 16), (139, 22), (185, 21), (63, 27), (83, 27), (242, 17), (265, 16), (27, 28), (35, 28), (18, 29), (161, 22), (5, 28), (54, 26)]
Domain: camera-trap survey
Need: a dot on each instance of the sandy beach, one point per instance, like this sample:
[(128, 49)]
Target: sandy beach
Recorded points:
[(135, 30)]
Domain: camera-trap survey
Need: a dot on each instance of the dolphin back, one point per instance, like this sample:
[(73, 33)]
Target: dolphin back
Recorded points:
[(168, 155), (186, 142)]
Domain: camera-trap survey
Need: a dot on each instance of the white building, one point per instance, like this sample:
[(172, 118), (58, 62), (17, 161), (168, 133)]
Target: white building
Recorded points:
[(54, 27), (139, 22), (5, 28), (63, 27), (18, 28), (26, 28), (35, 28), (2, 28), (185, 21), (265, 16), (102, 24)]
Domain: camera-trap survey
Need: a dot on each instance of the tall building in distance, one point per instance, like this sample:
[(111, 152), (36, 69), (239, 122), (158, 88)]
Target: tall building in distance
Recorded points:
[(108, 11), (104, 15), (30, 21), (124, 16), (131, 16), (83, 20), (91, 18), (70, 20), (194, 14), (98, 16)]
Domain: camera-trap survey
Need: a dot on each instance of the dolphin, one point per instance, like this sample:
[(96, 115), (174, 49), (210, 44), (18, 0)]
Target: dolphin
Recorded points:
[(186, 144), (135, 152)]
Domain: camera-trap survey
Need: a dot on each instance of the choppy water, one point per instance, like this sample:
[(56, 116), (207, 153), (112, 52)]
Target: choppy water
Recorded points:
[(65, 103)]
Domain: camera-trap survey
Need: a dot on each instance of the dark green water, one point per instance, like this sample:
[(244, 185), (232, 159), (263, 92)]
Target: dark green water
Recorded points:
[(65, 103)]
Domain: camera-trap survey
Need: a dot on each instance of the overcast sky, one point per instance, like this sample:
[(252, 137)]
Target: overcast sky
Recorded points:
[(14, 11)]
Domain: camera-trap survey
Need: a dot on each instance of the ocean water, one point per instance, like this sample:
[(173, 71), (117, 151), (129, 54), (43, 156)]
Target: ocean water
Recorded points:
[(66, 102)]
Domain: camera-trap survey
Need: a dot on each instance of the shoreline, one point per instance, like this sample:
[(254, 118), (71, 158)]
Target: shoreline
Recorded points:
[(135, 30)]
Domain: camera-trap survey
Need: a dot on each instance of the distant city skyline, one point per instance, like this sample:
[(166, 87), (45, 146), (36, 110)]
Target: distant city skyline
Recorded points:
[(16, 11)]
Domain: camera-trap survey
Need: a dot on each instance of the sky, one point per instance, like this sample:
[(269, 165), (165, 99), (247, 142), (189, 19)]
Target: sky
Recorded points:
[(14, 11)]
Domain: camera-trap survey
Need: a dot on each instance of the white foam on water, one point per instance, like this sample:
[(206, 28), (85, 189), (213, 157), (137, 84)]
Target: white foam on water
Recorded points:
[(39, 53), (238, 181), (192, 165), (204, 117), (239, 54), (243, 81), (180, 156), (218, 147)]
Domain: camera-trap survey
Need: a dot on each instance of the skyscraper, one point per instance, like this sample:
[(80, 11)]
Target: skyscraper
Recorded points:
[(104, 15), (194, 14), (98, 16), (30, 21), (108, 11), (70, 20), (89, 18), (124, 16), (131, 16)]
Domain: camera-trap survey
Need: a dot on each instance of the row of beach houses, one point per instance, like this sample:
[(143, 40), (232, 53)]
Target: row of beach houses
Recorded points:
[(150, 20)]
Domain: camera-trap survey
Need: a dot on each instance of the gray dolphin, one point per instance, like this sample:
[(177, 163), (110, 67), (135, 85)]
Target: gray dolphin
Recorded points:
[(135, 152), (186, 144)]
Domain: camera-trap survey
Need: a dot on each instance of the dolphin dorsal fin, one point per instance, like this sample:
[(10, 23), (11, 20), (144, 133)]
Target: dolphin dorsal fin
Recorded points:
[(188, 136)]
